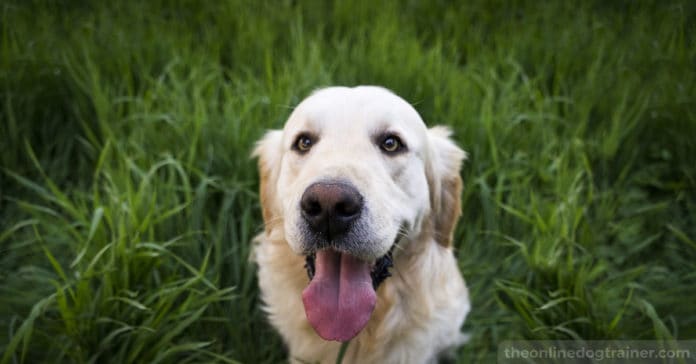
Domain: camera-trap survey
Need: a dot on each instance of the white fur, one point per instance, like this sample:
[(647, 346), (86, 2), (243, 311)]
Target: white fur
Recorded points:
[(421, 308)]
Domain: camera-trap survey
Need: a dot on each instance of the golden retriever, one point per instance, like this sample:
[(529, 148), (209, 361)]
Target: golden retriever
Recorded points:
[(360, 201)]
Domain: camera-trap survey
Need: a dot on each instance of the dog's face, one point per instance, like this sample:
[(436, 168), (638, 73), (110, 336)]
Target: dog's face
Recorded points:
[(368, 149), (354, 171)]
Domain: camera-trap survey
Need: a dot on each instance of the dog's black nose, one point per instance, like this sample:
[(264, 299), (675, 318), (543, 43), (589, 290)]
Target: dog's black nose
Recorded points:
[(330, 207)]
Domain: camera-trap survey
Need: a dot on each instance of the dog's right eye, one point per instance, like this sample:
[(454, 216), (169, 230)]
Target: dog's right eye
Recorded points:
[(303, 143)]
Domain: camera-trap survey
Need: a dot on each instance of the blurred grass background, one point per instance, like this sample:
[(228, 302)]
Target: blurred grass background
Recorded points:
[(128, 199)]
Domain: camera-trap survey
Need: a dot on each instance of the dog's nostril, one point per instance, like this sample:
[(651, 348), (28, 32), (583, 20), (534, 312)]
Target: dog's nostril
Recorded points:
[(347, 208), (311, 207)]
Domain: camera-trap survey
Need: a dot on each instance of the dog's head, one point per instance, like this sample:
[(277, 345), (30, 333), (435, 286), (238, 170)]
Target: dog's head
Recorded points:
[(353, 172)]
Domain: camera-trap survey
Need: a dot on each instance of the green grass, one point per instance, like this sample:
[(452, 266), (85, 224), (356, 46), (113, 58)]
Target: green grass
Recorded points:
[(128, 199)]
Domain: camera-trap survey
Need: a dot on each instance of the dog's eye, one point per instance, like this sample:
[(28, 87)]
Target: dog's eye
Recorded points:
[(391, 144), (303, 143)]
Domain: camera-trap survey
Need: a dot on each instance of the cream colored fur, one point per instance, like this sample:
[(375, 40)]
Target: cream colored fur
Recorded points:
[(421, 308)]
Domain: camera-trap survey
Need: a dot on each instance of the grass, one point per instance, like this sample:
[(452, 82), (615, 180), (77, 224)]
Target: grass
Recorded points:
[(128, 199)]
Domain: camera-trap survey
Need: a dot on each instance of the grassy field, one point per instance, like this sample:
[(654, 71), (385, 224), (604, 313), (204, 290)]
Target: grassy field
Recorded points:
[(128, 198)]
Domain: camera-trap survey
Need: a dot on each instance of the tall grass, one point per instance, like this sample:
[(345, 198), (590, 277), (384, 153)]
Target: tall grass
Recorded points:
[(128, 199)]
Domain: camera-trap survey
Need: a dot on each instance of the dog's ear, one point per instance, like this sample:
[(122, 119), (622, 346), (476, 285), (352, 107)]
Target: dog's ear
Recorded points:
[(444, 161), (269, 152)]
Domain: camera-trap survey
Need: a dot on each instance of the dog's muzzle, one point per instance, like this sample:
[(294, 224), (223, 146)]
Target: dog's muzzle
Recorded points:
[(341, 293)]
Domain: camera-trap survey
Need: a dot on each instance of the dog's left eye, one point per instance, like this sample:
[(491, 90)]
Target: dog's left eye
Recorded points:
[(303, 143), (391, 144)]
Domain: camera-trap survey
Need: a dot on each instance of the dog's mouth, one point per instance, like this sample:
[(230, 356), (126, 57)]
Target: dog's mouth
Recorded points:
[(379, 270), (341, 296)]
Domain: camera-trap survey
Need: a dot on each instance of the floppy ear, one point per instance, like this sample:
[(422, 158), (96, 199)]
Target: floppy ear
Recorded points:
[(445, 160), (269, 151)]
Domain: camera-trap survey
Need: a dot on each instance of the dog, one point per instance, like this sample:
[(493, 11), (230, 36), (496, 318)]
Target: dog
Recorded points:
[(360, 200)]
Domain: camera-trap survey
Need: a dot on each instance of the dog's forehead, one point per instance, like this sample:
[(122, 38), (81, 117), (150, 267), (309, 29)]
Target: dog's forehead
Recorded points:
[(358, 108)]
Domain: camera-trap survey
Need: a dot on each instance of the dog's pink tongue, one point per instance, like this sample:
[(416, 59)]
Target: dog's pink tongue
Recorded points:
[(339, 300)]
